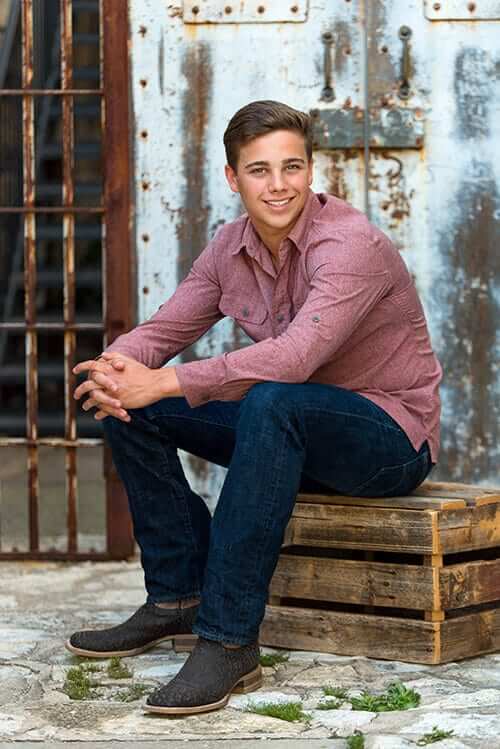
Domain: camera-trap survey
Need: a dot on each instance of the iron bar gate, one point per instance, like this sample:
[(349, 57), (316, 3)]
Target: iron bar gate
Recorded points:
[(114, 212)]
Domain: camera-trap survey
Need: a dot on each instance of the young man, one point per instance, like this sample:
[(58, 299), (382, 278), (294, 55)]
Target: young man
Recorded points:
[(339, 393)]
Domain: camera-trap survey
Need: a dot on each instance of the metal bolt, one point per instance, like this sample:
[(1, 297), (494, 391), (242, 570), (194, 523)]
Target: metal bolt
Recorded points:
[(228, 9), (294, 8), (437, 6), (261, 9), (143, 82), (384, 206), (195, 10), (384, 49), (471, 7), (347, 50), (145, 185), (145, 237), (144, 134), (327, 36), (145, 289), (143, 30)]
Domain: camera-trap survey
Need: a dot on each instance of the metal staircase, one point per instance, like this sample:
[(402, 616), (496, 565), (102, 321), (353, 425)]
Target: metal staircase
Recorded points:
[(87, 191)]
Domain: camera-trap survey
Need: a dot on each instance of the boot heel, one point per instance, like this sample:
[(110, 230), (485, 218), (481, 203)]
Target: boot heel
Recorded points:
[(249, 682), (184, 643)]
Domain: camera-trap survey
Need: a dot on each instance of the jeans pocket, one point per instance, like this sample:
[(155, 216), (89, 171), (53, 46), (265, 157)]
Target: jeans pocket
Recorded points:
[(397, 480)]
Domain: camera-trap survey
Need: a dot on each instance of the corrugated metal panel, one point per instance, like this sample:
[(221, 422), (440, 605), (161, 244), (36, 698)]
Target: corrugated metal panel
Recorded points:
[(437, 199)]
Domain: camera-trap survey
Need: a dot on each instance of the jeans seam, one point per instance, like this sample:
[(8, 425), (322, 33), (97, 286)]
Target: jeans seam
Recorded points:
[(397, 429)]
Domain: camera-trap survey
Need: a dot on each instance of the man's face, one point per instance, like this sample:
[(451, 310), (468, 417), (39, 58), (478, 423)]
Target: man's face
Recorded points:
[(273, 178)]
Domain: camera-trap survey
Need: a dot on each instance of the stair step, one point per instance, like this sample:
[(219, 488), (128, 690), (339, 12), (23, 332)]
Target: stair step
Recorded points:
[(85, 5), (47, 279), (49, 424), (49, 190), (80, 38), (13, 373), (84, 150), (80, 110), (87, 73), (81, 232)]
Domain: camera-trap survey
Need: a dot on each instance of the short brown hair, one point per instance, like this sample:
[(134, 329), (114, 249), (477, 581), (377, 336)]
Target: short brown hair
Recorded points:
[(260, 118)]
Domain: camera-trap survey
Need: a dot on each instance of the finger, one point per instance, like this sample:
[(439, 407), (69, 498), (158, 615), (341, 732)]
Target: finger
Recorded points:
[(85, 387), (105, 381), (104, 399), (85, 366), (114, 360), (89, 403), (118, 414)]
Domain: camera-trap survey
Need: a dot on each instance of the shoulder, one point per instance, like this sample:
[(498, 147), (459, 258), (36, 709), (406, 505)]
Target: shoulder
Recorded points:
[(229, 236), (342, 236)]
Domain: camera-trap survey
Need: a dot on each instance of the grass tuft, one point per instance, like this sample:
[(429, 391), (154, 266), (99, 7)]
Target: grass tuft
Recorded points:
[(117, 670), (290, 711), (397, 697), (77, 684), (273, 659), (356, 741), (329, 705), (339, 692), (132, 693), (435, 735)]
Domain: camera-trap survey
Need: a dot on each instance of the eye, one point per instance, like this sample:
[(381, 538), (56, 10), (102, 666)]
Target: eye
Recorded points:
[(293, 167), (258, 170)]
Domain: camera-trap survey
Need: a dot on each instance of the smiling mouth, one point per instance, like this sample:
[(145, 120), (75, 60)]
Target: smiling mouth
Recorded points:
[(278, 203)]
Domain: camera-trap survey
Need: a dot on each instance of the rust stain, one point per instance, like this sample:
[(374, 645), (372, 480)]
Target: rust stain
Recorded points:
[(341, 45), (474, 79), (192, 229), (337, 184), (466, 294)]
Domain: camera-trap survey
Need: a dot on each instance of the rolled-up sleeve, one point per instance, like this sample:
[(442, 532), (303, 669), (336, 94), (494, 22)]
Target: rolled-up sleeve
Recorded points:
[(338, 301), (181, 320)]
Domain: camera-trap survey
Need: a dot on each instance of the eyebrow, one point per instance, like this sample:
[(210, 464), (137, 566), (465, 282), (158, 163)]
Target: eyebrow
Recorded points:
[(266, 163)]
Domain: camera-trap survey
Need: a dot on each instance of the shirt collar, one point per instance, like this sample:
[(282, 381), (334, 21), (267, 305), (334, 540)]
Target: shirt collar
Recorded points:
[(251, 241)]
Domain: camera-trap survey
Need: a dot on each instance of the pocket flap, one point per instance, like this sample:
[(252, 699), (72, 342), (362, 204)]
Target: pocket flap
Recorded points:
[(235, 307)]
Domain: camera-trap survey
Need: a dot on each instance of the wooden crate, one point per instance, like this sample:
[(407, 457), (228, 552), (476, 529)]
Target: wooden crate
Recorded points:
[(414, 578)]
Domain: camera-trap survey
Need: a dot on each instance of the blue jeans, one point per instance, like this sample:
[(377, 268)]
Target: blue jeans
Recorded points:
[(279, 440)]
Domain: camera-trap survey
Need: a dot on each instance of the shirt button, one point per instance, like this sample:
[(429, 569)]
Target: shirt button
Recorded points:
[(280, 318), (245, 312), (316, 318)]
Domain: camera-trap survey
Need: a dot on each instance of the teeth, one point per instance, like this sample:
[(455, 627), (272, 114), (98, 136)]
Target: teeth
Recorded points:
[(279, 202)]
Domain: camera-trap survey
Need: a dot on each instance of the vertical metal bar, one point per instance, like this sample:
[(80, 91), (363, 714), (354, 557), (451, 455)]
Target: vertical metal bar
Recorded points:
[(366, 122), (30, 271), (117, 250), (69, 269)]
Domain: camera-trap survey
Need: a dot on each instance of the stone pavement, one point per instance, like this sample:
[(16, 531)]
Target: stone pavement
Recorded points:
[(42, 603)]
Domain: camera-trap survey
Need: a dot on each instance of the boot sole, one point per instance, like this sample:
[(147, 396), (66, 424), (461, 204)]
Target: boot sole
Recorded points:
[(248, 683), (180, 644)]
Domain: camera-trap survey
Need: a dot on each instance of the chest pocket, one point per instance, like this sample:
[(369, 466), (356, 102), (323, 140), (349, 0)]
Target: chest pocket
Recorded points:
[(245, 314)]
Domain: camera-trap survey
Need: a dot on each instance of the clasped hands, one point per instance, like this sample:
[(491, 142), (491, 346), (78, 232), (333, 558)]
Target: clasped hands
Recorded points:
[(116, 383)]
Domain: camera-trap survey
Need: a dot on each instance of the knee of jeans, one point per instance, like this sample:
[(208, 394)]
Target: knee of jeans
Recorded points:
[(265, 395)]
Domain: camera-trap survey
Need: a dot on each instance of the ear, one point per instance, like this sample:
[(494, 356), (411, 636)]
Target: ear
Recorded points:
[(310, 172), (231, 177)]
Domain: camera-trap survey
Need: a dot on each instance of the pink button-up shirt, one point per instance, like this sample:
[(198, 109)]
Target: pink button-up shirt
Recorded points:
[(341, 309)]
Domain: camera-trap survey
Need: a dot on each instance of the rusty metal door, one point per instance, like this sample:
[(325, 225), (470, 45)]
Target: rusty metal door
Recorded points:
[(66, 274), (405, 101)]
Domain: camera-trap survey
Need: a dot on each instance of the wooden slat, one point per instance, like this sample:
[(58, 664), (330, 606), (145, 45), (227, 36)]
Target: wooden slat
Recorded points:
[(459, 491), (366, 528), (470, 635), (471, 528), (470, 583), (409, 640), (410, 503), (355, 582)]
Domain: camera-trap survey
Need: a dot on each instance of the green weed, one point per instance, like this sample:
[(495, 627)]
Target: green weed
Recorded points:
[(77, 684), (116, 669), (356, 741), (338, 692), (397, 697), (132, 693), (435, 735), (273, 659), (329, 705), (290, 711)]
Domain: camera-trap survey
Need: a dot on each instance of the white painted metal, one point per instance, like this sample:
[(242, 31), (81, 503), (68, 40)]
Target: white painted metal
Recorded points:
[(193, 76), (462, 10), (244, 11)]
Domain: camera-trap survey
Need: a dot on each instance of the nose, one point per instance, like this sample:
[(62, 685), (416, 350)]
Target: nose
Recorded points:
[(276, 181)]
